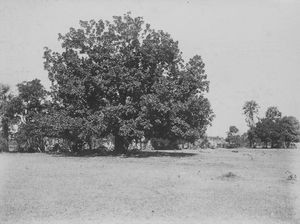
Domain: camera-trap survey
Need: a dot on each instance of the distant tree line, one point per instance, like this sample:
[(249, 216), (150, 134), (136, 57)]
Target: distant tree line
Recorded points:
[(121, 79), (273, 130)]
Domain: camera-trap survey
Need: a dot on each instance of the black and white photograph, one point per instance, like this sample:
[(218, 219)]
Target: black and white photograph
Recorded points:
[(149, 112)]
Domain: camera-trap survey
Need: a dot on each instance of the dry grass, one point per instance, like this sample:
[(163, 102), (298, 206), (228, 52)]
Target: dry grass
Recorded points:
[(151, 187)]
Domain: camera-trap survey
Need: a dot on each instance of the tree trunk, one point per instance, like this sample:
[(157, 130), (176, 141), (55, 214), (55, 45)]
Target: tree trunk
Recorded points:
[(251, 143), (5, 134), (121, 144), (90, 144), (77, 146)]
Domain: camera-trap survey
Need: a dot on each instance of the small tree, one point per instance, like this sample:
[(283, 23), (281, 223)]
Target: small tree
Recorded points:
[(250, 110), (9, 105), (232, 137), (289, 128), (32, 107), (4, 101)]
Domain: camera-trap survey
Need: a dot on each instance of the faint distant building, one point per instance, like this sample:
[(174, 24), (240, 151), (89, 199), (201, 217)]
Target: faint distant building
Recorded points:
[(217, 142)]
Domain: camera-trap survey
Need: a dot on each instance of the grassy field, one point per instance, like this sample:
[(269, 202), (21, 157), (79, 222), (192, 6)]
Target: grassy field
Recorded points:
[(209, 186)]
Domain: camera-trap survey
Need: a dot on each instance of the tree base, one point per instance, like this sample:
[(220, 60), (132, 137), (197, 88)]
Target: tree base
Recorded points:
[(121, 145)]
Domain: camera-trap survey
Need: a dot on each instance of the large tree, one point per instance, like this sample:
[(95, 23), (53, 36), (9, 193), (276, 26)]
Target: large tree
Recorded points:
[(129, 80)]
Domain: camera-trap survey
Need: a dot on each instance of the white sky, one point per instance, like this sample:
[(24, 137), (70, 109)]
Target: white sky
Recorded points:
[(251, 47)]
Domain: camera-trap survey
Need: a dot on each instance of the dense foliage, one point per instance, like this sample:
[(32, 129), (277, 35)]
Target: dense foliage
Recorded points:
[(123, 78), (23, 111), (272, 130), (4, 112)]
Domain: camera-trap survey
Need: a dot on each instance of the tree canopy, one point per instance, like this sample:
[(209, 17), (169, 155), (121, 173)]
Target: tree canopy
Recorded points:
[(273, 113), (125, 79)]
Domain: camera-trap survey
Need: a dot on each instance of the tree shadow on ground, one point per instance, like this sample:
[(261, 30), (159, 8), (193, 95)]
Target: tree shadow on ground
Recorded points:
[(130, 154), (145, 154)]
